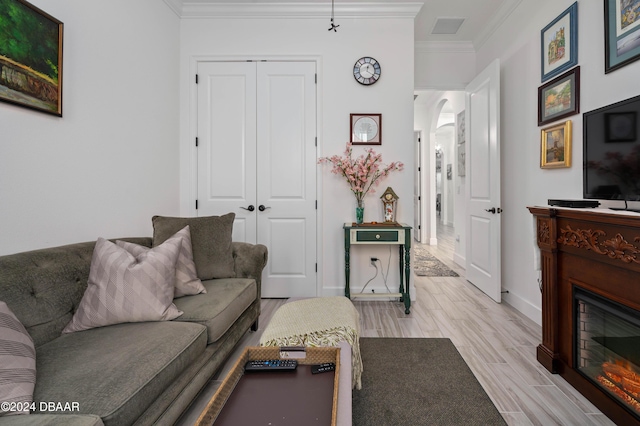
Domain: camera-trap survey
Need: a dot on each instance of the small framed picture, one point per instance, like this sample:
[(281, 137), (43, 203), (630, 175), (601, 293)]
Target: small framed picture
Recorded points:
[(366, 129), (559, 43), (461, 128), (560, 97), (461, 159), (555, 146), (622, 33)]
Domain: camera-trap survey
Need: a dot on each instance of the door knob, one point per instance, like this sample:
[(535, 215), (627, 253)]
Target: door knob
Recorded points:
[(262, 207), (250, 208), (492, 210)]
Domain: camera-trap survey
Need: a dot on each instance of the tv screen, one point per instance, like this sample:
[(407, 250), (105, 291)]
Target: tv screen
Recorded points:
[(612, 152)]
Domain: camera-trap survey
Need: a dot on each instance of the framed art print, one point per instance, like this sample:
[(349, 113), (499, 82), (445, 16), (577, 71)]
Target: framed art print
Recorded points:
[(460, 126), (621, 33), (555, 146), (559, 43), (559, 97), (30, 57), (366, 129)]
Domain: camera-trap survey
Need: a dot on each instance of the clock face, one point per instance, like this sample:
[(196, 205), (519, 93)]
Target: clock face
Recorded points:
[(366, 71)]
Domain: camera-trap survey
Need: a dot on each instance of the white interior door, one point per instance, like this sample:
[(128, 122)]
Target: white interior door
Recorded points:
[(483, 184), (227, 144), (256, 158), (417, 188), (287, 177)]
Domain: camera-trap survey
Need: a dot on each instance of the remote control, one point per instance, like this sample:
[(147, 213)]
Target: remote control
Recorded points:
[(271, 365), (323, 368)]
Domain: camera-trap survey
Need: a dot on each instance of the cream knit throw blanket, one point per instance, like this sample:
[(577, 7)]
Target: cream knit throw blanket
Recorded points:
[(320, 321)]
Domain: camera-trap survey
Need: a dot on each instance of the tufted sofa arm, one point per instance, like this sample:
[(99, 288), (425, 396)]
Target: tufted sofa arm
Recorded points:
[(249, 261)]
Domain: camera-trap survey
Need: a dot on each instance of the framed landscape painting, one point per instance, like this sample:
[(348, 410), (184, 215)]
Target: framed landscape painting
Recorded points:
[(559, 43), (622, 33), (555, 146), (30, 57), (560, 97)]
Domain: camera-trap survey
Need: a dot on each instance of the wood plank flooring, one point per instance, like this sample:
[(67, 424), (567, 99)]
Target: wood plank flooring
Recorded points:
[(497, 342)]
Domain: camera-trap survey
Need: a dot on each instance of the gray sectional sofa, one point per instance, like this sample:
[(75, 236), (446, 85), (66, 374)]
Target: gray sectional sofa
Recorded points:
[(131, 373)]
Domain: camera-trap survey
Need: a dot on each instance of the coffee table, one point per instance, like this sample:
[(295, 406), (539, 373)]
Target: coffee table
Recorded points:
[(284, 398)]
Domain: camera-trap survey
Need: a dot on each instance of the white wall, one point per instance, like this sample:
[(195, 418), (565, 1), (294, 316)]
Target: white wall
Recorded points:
[(444, 66), (517, 44), (390, 41), (110, 162)]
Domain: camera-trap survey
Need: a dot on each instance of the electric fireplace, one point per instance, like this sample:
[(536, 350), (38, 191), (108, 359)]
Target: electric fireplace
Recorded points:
[(590, 289), (607, 347)]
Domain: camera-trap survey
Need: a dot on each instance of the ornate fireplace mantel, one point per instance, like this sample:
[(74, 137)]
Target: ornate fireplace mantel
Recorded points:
[(592, 249)]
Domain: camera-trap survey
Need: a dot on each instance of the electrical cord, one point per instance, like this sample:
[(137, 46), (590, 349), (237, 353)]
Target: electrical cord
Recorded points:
[(374, 277), (384, 276)]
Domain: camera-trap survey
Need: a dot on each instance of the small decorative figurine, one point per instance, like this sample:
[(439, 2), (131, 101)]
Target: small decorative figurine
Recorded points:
[(389, 204)]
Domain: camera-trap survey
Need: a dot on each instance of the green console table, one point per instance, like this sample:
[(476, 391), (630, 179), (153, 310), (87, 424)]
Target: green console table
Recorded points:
[(368, 233)]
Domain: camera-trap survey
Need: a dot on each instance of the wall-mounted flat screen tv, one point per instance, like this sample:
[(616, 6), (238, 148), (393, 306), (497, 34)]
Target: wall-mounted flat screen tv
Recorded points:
[(612, 152)]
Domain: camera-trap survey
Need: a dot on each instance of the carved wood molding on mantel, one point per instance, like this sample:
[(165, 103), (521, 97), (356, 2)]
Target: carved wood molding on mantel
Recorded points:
[(615, 248)]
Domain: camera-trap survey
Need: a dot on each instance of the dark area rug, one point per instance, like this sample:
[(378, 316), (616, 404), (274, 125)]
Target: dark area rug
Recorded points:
[(408, 382), (426, 265)]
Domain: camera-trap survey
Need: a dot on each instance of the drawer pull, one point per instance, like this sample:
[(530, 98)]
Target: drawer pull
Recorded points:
[(377, 236)]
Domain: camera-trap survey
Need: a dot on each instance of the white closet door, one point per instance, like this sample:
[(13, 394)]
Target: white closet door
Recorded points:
[(256, 132), (227, 144), (286, 178)]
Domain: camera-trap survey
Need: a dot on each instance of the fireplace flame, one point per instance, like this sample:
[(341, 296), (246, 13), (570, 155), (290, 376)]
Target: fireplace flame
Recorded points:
[(620, 379)]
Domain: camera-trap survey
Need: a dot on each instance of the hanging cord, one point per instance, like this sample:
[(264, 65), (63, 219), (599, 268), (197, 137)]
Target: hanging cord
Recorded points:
[(333, 26), (384, 276)]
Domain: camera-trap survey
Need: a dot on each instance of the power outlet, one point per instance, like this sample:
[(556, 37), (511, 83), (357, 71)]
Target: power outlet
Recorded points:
[(373, 261)]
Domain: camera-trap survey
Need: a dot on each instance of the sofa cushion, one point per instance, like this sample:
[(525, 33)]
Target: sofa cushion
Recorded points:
[(124, 288), (17, 362), (116, 372), (226, 299), (187, 281), (210, 238)]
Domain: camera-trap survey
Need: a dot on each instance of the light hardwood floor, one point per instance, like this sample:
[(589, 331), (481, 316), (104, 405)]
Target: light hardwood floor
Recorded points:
[(497, 342)]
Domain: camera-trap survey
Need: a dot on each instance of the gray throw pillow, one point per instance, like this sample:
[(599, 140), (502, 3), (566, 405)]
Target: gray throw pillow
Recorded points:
[(187, 281), (17, 363), (210, 238), (126, 288)]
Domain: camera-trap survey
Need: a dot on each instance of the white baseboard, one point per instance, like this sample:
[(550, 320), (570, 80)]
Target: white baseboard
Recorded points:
[(526, 308), (433, 241), (460, 260)]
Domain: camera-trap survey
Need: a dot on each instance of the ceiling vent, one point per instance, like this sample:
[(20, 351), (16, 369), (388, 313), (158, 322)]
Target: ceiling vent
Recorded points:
[(447, 25)]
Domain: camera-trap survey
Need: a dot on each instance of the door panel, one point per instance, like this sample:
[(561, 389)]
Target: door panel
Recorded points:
[(286, 176), (227, 143), (483, 187)]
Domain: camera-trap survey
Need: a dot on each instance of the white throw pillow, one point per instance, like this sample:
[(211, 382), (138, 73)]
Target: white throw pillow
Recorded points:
[(187, 281), (17, 364), (127, 288)]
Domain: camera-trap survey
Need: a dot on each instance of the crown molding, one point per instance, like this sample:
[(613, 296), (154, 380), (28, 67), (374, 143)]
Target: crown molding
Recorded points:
[(444, 46), (202, 9), (505, 10), (175, 6)]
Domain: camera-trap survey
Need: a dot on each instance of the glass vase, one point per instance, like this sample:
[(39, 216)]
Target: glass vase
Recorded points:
[(360, 212)]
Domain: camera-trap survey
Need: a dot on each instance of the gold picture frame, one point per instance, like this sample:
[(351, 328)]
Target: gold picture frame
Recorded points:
[(555, 146)]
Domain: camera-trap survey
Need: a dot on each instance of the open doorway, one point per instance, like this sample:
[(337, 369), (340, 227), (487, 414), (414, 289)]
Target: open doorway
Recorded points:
[(443, 185)]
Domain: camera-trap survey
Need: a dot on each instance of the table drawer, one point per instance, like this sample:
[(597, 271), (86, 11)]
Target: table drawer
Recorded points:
[(382, 236)]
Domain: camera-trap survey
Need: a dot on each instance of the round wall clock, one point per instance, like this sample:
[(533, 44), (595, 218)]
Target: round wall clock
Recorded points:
[(366, 70)]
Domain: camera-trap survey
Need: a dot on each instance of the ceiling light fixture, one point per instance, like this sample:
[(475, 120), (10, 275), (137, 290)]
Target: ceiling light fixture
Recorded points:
[(333, 27)]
